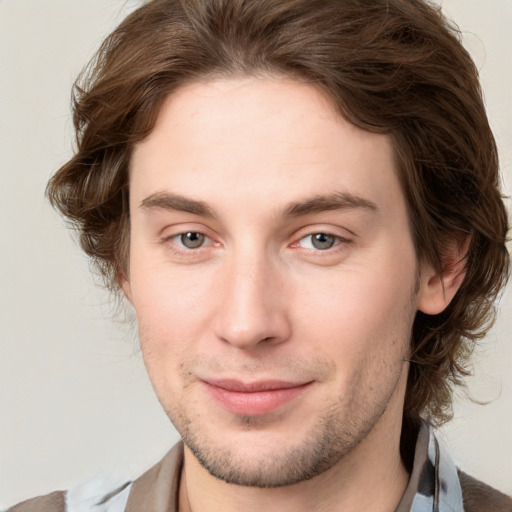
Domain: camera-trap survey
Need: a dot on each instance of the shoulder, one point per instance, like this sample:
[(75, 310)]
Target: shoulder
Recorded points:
[(98, 495), (157, 486), (479, 496), (54, 502)]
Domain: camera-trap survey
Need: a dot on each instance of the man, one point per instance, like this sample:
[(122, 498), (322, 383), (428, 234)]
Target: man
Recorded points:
[(300, 201)]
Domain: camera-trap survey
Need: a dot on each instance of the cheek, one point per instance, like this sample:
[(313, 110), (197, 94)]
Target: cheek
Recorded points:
[(364, 329), (165, 297), (362, 310), (172, 309)]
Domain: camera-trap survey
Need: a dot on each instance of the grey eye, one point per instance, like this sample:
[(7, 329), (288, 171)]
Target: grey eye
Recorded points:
[(192, 240), (322, 241)]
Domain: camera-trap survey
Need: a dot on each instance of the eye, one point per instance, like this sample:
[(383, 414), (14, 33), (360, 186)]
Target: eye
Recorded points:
[(190, 240), (320, 241)]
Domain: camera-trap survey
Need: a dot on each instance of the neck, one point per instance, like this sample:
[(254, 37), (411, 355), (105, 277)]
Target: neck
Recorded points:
[(372, 478)]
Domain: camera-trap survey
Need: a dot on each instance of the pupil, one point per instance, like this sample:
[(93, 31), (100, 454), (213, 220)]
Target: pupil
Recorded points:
[(192, 240), (323, 241)]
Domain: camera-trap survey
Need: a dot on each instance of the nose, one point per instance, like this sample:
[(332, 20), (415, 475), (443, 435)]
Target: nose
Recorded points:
[(252, 306)]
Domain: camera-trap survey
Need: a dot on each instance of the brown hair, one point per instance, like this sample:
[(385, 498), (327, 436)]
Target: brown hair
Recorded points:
[(389, 66)]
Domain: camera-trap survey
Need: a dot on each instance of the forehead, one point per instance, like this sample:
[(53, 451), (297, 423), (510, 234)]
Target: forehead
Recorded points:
[(269, 140)]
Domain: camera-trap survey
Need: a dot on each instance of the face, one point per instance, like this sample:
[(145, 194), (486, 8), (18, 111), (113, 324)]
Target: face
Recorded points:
[(273, 276)]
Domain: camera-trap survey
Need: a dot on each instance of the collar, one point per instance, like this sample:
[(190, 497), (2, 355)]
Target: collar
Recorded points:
[(434, 485)]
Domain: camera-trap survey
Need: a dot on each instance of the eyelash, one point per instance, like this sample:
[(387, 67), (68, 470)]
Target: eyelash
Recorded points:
[(177, 245), (177, 240), (337, 241)]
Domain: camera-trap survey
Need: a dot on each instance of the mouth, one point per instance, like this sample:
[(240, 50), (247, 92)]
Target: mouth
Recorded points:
[(254, 398)]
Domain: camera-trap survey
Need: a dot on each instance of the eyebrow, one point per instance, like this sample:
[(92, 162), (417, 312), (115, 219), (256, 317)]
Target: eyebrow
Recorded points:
[(316, 204), (167, 201), (329, 202)]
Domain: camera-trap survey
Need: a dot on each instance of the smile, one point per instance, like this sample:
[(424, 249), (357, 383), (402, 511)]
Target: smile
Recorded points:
[(256, 398)]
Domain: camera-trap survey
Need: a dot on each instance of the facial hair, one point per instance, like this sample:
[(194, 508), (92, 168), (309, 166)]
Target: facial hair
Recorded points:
[(341, 427)]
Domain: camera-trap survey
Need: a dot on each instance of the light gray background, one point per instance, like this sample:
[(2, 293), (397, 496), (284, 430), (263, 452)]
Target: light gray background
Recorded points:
[(74, 398)]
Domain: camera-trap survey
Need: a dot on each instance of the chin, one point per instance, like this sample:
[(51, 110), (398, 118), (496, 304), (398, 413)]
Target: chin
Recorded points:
[(264, 458)]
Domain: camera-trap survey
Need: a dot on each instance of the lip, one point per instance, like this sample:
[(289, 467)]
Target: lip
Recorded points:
[(254, 398)]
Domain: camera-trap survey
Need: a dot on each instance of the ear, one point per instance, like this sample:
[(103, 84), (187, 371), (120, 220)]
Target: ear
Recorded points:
[(437, 290)]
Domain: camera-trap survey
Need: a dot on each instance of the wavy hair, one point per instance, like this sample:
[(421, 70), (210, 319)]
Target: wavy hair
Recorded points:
[(395, 67)]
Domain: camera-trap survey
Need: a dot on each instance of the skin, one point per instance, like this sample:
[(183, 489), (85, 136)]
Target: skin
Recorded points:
[(241, 163)]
